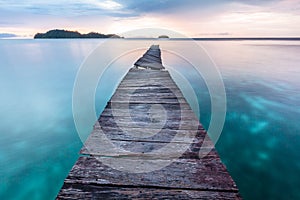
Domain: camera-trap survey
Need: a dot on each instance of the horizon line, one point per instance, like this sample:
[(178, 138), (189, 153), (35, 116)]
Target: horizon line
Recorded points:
[(174, 38)]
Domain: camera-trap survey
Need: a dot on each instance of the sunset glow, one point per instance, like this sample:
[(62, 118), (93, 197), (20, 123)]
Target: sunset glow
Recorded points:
[(220, 18)]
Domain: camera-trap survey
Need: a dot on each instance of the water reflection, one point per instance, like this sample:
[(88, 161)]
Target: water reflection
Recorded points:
[(259, 143)]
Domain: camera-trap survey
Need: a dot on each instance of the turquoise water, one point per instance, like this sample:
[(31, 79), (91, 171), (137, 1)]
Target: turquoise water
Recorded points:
[(260, 140), (259, 144)]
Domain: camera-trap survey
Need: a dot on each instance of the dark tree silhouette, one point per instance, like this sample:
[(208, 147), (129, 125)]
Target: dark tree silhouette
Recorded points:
[(72, 34)]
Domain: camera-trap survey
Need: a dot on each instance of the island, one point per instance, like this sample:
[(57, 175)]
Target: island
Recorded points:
[(53, 34), (163, 37)]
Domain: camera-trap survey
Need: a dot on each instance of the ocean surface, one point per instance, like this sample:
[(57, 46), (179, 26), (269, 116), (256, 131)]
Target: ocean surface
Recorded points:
[(260, 142)]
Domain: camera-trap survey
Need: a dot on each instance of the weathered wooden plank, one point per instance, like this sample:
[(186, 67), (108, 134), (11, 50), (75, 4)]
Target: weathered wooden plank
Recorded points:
[(151, 59), (148, 100), (145, 150), (171, 87), (148, 86), (156, 115), (145, 83), (90, 191), (137, 144), (154, 79), (154, 112), (148, 135), (152, 73), (157, 123), (148, 90), (147, 95), (151, 91), (183, 125), (153, 53), (135, 70), (205, 174), (149, 76), (146, 106)]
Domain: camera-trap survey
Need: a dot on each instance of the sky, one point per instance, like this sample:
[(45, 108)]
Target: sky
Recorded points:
[(193, 18)]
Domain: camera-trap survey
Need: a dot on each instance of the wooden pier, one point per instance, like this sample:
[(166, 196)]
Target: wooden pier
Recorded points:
[(124, 156)]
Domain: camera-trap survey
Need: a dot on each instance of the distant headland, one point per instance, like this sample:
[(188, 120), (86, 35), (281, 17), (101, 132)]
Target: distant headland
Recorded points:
[(53, 34), (163, 37)]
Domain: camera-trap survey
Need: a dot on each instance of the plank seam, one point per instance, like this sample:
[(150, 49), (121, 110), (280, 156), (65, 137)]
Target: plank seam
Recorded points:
[(153, 187)]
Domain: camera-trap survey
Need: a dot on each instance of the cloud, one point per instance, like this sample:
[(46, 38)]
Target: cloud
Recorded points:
[(67, 8), (107, 5), (119, 8), (247, 17), (146, 6)]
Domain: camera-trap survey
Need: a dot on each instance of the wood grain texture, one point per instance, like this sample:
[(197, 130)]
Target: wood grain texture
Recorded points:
[(147, 114), (151, 59), (205, 174), (90, 191)]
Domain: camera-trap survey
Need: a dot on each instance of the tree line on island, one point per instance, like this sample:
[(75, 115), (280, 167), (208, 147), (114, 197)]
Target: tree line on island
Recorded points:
[(65, 34), (72, 34)]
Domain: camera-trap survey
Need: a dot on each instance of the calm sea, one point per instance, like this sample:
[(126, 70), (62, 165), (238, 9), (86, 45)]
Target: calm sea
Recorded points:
[(260, 142)]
